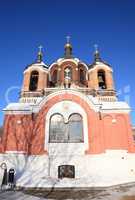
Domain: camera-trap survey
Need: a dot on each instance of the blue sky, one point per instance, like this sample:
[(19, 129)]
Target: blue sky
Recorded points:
[(26, 24)]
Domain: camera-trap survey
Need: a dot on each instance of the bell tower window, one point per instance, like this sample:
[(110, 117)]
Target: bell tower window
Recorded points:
[(82, 76), (54, 76), (34, 81), (101, 79)]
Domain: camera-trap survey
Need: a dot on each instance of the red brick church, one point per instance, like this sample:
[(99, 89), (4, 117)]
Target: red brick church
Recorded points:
[(69, 126)]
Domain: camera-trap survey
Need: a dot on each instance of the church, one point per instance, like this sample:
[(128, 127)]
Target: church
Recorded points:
[(68, 128)]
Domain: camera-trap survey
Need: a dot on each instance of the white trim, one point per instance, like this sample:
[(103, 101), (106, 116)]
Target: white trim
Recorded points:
[(115, 110), (14, 112), (84, 65), (74, 60), (55, 63), (15, 152), (93, 102), (71, 107), (30, 100), (100, 65), (89, 100), (62, 60), (68, 60), (36, 67)]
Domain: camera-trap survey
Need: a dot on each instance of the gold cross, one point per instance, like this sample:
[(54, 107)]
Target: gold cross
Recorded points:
[(96, 47), (40, 48), (68, 39)]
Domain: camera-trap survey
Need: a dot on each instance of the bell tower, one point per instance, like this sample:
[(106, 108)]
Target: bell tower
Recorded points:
[(68, 71), (100, 77), (35, 78)]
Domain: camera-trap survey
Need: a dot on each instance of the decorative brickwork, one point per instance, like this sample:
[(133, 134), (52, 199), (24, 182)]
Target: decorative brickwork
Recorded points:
[(26, 133)]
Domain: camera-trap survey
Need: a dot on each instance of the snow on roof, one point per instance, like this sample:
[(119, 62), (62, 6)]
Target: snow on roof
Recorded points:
[(117, 105), (18, 107)]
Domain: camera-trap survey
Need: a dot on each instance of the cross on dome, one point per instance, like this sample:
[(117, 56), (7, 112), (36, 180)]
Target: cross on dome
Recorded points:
[(96, 53), (68, 39), (40, 48), (40, 54), (96, 47), (68, 48)]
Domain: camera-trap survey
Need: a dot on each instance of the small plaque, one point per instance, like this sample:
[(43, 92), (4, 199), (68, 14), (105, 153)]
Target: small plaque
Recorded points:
[(66, 171)]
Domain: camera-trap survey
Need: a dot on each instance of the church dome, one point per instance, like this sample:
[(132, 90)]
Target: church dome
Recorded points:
[(98, 60), (39, 60)]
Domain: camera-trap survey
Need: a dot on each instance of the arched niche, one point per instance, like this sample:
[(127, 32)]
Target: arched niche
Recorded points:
[(82, 76), (54, 76)]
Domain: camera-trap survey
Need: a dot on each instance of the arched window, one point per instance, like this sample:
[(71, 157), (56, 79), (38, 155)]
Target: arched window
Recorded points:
[(57, 128), (33, 81), (82, 76), (66, 132), (54, 76), (101, 79)]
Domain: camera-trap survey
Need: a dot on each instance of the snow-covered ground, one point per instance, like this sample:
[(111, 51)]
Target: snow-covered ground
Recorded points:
[(125, 192)]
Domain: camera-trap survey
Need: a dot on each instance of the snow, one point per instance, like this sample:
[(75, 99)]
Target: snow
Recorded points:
[(115, 105), (102, 170), (18, 106), (94, 103), (41, 64)]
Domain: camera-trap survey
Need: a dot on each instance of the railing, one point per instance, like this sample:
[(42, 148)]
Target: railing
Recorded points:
[(87, 91)]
